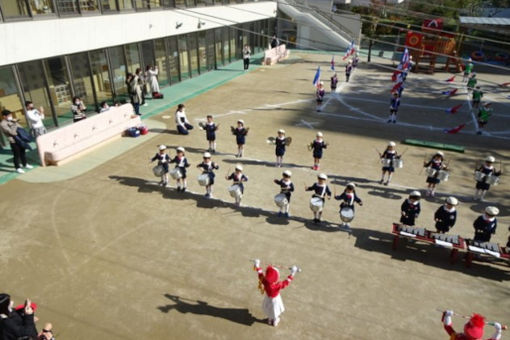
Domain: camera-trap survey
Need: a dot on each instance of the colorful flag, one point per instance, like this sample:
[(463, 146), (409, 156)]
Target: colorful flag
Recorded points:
[(451, 79), (455, 129), (450, 93), (405, 57), (332, 63), (350, 50), (396, 87), (317, 78), (453, 110), (504, 84)]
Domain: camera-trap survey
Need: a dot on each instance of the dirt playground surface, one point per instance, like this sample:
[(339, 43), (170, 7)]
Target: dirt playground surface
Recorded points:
[(111, 255)]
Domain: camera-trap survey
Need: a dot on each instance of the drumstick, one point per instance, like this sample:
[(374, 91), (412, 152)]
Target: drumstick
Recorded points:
[(377, 152), (491, 323)]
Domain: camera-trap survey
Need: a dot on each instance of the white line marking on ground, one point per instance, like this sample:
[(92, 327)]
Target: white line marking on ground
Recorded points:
[(308, 124)]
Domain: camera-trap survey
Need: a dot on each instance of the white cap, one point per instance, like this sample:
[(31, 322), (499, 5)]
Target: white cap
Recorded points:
[(207, 155), (351, 184), (392, 143), (322, 176), (490, 159), (319, 134), (281, 131), (287, 173), (180, 149), (162, 147), (452, 200), (439, 153), (241, 121), (239, 167), (492, 211), (415, 193), (322, 83)]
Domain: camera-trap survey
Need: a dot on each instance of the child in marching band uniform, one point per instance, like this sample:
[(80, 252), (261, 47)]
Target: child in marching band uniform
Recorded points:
[(280, 142), (348, 197), (334, 82), (210, 133), (410, 208), (269, 286), (473, 329), (394, 104), (487, 169), (286, 188), (321, 190), (239, 178), (446, 215), (348, 70), (319, 95), (485, 225), (240, 132), (390, 154), (208, 168), (317, 146), (163, 160), (181, 162), (437, 164)]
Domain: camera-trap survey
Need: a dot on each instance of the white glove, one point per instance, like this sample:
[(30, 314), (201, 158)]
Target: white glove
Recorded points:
[(293, 270), (256, 263)]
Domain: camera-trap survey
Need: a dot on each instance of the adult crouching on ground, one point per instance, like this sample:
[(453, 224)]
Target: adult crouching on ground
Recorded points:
[(183, 125)]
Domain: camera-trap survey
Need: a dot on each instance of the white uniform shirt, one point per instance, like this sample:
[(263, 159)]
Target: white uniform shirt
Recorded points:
[(180, 118)]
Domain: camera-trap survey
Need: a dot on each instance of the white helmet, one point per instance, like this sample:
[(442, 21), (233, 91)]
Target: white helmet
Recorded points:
[(322, 176), (241, 121), (415, 193), (162, 147), (287, 173), (492, 211), (452, 200), (319, 134), (281, 131), (490, 159), (239, 167), (207, 155), (392, 143), (180, 149)]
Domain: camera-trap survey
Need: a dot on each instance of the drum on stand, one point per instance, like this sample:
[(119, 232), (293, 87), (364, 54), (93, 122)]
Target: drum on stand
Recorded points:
[(235, 191), (158, 170), (316, 204), (203, 180), (346, 214), (386, 162), (176, 173), (493, 180), (281, 200), (398, 163), (430, 172), (479, 176), (443, 175)]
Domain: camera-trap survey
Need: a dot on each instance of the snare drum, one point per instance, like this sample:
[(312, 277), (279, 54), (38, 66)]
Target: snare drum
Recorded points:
[(158, 170), (443, 175), (479, 176), (203, 180), (346, 214), (386, 162), (281, 200), (493, 180), (235, 191), (430, 172), (176, 173), (316, 204), (398, 163)]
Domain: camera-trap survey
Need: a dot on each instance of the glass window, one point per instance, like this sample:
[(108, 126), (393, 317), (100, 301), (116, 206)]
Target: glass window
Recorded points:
[(132, 57), (167, 3), (218, 46), (190, 3), (81, 78), (9, 95), (108, 5), (41, 7), (125, 4), (193, 53), (161, 63), (209, 40), (100, 75), (202, 52), (173, 59), (226, 45), (205, 2), (233, 44), (14, 8), (59, 87), (118, 65), (183, 57), (146, 4), (67, 7), (180, 3), (87, 6), (147, 53)]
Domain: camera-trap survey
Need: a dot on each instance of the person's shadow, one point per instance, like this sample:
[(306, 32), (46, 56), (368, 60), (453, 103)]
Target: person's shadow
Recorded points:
[(238, 315)]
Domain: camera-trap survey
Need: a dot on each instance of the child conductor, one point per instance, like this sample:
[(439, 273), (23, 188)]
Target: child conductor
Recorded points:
[(286, 188)]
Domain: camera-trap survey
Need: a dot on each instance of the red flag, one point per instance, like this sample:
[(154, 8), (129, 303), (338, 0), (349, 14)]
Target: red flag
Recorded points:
[(450, 93), (453, 110), (396, 87), (451, 80), (455, 129)]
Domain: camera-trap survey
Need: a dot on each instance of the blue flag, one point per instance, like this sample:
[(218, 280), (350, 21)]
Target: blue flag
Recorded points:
[(317, 77)]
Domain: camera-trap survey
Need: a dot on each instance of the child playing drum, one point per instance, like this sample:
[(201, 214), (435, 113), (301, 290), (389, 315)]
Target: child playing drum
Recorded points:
[(388, 160), (485, 175), (321, 191), (317, 146), (239, 178), (434, 167), (208, 168), (163, 160), (240, 132), (286, 189), (181, 163), (348, 197), (410, 208), (446, 215), (210, 133)]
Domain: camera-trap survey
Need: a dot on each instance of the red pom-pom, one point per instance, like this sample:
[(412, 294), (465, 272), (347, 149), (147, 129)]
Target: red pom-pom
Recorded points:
[(477, 320)]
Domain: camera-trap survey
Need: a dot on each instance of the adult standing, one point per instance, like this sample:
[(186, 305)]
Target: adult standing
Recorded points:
[(10, 128), (274, 41), (16, 324), (135, 92), (246, 56), (35, 119), (152, 75), (142, 82)]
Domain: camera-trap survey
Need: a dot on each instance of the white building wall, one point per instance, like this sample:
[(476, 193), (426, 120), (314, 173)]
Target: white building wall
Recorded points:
[(37, 39)]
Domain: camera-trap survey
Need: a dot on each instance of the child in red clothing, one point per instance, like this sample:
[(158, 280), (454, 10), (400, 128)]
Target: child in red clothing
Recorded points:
[(473, 329)]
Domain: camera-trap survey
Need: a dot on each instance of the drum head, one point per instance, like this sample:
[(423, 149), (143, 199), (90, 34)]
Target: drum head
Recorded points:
[(346, 214)]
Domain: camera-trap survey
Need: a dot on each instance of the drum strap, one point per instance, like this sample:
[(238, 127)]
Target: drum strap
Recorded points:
[(323, 194)]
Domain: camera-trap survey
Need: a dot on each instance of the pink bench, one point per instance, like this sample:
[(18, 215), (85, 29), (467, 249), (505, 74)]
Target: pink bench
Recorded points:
[(276, 54), (68, 142)]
